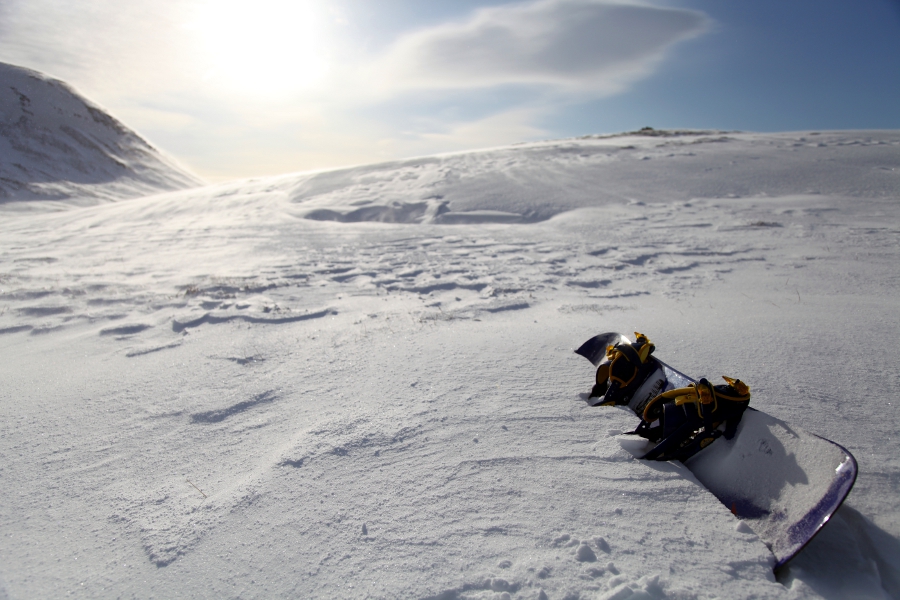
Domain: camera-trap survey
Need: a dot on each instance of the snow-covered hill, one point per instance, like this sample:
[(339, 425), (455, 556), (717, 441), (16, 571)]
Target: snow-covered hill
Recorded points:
[(360, 383), (533, 182), (57, 145)]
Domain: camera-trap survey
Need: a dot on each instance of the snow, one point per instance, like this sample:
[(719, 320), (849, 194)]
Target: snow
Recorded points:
[(361, 383), (56, 145), (793, 474)]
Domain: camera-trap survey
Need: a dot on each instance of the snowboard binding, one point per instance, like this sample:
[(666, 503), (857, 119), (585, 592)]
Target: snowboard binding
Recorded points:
[(681, 421), (624, 369), (682, 418)]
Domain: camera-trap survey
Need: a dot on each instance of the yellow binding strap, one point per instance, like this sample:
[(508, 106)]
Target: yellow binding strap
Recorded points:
[(603, 373), (680, 395), (621, 381), (699, 395), (739, 386), (646, 348)]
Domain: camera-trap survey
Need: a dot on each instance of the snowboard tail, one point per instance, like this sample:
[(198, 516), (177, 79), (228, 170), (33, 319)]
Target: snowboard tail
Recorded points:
[(784, 482)]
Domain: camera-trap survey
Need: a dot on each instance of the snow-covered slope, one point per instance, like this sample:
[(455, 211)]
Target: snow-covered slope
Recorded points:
[(57, 145), (257, 390), (533, 182)]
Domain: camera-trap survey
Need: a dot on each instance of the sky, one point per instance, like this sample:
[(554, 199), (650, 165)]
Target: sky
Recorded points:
[(242, 88)]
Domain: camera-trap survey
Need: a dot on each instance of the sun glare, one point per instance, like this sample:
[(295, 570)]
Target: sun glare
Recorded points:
[(262, 47)]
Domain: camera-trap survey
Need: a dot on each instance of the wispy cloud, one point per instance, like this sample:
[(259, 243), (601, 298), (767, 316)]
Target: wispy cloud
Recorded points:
[(595, 46), (488, 79), (554, 52), (495, 129)]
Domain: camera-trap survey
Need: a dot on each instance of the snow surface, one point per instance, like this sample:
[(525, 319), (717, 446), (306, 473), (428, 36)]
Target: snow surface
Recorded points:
[(57, 145), (257, 389)]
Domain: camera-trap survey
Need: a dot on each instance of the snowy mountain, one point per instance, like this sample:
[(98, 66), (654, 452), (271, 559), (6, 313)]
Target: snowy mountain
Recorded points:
[(361, 383), (57, 145)]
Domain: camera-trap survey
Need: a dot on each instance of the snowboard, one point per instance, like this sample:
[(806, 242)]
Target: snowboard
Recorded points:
[(782, 481)]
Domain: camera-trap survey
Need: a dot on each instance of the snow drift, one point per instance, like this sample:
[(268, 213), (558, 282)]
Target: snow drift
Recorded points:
[(360, 383), (57, 145), (532, 182)]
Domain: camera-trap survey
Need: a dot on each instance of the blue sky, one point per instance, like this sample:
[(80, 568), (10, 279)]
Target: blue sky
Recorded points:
[(238, 88)]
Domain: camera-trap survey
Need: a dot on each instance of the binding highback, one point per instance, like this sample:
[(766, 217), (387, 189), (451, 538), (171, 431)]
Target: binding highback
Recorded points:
[(624, 369)]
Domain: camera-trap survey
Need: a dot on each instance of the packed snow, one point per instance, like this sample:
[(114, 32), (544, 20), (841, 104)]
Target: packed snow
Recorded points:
[(361, 383)]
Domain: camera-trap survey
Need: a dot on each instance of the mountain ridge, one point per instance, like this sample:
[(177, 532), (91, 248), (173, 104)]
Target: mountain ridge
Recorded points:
[(55, 144)]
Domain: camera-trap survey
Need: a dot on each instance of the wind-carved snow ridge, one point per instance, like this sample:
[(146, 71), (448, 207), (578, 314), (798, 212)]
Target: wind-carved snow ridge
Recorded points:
[(450, 277), (529, 183), (57, 145), (391, 193), (172, 514)]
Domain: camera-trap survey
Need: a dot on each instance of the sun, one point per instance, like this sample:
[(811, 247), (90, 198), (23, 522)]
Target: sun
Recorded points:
[(262, 47)]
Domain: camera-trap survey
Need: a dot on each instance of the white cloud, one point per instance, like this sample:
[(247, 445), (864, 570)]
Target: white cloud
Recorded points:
[(157, 66), (589, 45)]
